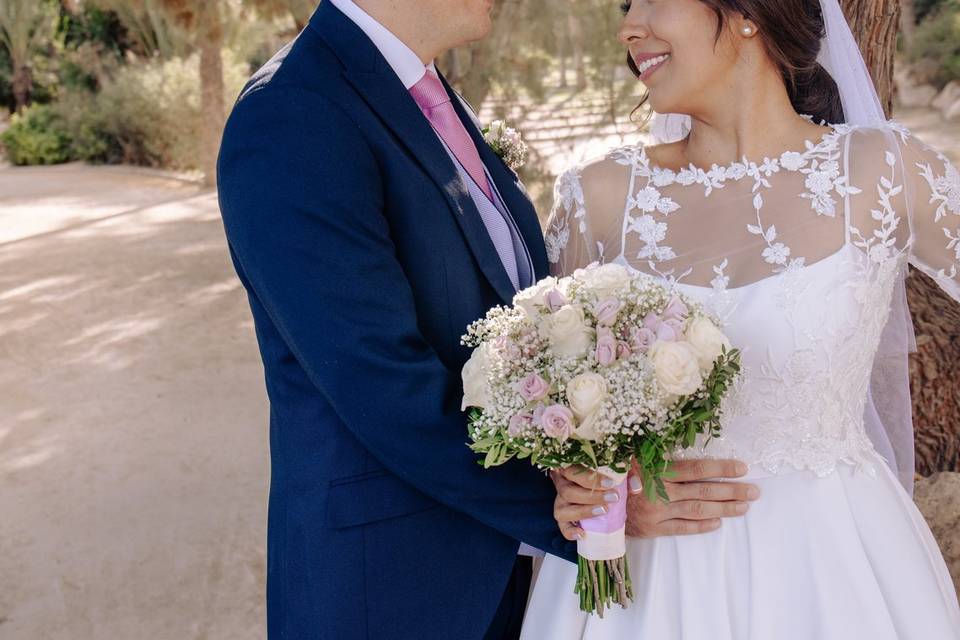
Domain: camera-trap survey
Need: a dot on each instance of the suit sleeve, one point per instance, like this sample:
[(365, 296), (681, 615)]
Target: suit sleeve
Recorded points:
[(302, 203)]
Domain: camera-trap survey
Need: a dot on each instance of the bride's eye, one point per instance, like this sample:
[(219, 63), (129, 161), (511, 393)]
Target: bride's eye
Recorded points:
[(625, 7)]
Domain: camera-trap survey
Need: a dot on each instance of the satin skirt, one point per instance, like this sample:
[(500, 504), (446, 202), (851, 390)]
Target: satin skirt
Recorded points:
[(844, 557)]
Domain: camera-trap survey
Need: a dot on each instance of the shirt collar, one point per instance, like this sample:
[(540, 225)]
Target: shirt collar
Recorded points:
[(401, 58)]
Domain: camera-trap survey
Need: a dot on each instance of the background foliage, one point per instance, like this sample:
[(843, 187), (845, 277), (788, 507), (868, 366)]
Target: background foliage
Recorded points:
[(150, 81)]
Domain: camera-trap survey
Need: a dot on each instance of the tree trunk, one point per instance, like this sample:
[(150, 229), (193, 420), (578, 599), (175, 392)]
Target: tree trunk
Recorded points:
[(874, 24), (935, 368), (562, 31), (210, 36), (21, 84), (576, 43)]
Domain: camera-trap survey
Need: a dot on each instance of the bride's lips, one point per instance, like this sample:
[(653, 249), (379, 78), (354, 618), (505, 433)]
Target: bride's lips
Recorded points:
[(648, 63)]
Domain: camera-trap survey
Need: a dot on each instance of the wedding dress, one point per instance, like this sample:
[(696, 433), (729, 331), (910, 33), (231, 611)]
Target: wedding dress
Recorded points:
[(801, 256)]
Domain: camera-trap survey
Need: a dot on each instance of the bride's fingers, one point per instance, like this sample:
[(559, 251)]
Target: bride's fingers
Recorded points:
[(571, 531), (565, 512), (586, 478), (677, 527), (704, 510), (576, 494), (705, 469), (712, 491)]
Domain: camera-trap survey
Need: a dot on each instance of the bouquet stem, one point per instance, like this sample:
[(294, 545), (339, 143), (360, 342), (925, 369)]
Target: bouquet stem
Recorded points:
[(602, 575), (603, 583)]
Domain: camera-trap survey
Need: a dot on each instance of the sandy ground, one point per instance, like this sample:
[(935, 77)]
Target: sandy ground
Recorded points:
[(133, 451), (133, 441)]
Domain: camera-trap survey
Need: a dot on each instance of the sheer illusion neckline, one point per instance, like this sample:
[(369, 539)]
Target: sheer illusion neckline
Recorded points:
[(790, 159)]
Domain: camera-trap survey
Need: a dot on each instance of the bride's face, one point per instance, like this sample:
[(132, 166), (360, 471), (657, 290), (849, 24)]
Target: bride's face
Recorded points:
[(682, 62)]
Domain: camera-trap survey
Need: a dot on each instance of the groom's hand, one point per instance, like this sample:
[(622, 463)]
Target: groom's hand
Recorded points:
[(697, 500)]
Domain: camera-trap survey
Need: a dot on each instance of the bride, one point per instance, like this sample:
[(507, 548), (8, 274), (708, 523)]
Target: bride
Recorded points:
[(798, 235)]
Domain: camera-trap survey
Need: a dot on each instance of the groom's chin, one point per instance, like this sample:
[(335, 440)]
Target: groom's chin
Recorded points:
[(482, 22)]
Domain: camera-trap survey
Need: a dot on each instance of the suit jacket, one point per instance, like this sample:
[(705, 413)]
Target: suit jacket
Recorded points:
[(364, 260)]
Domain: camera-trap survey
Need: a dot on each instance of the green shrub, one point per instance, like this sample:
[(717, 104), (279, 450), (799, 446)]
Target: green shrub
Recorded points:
[(935, 54), (37, 136), (147, 112)]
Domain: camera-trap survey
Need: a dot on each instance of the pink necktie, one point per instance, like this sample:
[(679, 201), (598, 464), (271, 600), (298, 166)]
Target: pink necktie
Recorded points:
[(436, 105)]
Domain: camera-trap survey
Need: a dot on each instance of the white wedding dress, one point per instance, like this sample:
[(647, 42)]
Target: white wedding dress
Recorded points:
[(800, 255)]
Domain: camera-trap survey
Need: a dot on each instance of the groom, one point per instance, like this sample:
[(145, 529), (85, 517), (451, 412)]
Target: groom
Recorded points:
[(370, 224)]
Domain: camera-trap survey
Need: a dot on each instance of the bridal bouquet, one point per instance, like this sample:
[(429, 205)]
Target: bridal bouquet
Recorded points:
[(597, 369)]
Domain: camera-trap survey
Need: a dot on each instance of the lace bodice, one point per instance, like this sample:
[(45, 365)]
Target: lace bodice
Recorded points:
[(800, 255)]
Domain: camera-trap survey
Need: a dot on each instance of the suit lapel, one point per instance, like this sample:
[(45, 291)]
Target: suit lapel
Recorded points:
[(511, 190), (371, 76)]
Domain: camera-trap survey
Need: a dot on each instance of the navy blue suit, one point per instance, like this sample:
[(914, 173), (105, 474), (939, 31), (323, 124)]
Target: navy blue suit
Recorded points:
[(364, 260)]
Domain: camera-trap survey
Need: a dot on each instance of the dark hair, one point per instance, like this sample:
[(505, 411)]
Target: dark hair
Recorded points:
[(791, 31)]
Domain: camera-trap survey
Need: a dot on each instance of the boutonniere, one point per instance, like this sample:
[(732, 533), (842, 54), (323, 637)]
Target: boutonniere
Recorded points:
[(507, 143)]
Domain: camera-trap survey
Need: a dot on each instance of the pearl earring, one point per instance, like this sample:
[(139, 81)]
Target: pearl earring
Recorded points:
[(747, 31)]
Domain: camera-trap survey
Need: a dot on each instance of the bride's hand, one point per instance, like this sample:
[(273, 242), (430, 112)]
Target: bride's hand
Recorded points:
[(696, 503), (581, 494)]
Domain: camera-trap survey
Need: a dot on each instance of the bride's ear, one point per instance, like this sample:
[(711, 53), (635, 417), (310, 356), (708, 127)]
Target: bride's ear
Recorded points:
[(745, 27)]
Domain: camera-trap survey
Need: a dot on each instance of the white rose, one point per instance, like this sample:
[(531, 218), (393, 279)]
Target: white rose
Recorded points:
[(568, 333), (474, 374), (587, 430), (676, 367), (605, 280), (585, 394), (707, 340), (530, 297)]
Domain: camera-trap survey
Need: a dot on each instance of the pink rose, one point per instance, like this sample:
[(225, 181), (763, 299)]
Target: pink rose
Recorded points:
[(533, 388), (557, 422), (555, 300), (606, 312), (623, 351), (519, 424), (642, 339), (652, 322), (670, 330), (676, 309), (507, 347), (606, 350)]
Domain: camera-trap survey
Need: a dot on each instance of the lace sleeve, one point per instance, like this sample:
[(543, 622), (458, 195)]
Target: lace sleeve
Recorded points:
[(567, 237), (934, 204), (586, 224)]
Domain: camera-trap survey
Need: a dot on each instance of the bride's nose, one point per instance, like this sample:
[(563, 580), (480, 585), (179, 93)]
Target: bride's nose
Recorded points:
[(634, 26)]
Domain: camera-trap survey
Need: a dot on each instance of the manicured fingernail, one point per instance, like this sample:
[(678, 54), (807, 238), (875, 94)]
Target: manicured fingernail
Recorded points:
[(607, 483), (753, 493), (599, 511), (613, 496), (742, 508), (635, 486)]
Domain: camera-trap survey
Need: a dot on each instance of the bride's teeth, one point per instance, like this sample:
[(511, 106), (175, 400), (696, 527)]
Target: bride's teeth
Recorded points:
[(646, 64)]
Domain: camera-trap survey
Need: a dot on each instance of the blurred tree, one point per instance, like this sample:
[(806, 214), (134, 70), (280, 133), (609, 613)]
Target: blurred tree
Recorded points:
[(25, 26), (874, 24), (169, 27)]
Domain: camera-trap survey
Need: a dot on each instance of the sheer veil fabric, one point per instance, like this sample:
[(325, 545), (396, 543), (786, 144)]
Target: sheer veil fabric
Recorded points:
[(888, 416)]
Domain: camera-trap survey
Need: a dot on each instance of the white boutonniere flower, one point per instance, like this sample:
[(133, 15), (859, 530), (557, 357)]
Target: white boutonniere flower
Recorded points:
[(507, 143)]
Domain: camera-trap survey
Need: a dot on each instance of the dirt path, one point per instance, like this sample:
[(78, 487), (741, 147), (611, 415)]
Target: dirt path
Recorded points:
[(133, 441), (133, 452)]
